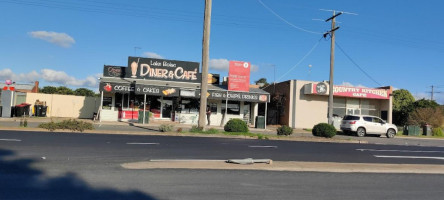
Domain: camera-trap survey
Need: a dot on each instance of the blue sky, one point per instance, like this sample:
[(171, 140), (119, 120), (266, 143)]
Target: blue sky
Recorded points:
[(67, 42)]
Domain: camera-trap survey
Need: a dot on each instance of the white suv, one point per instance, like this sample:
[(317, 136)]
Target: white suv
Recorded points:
[(362, 125)]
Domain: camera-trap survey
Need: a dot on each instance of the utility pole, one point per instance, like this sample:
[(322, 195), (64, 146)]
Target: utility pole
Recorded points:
[(205, 58), (332, 61), (432, 93)]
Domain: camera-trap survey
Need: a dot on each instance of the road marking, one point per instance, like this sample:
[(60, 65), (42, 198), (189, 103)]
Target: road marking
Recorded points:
[(11, 140), (142, 143), (185, 160), (411, 157), (403, 151), (263, 146)]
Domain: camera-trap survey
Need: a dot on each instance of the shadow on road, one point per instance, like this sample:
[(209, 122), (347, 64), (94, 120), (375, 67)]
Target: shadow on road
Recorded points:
[(18, 180)]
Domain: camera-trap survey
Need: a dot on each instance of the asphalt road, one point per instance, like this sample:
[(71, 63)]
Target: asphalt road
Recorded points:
[(37, 165)]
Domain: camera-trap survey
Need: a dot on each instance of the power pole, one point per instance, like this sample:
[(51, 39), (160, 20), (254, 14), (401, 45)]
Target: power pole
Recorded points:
[(432, 93), (332, 61), (205, 58)]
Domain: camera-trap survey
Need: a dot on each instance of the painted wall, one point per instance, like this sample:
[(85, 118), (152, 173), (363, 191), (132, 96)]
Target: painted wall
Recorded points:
[(309, 109), (66, 105)]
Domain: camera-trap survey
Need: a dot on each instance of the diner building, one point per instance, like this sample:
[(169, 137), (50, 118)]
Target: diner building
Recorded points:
[(303, 104), (170, 90)]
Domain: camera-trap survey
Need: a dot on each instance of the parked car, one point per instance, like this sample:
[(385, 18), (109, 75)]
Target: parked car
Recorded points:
[(365, 124)]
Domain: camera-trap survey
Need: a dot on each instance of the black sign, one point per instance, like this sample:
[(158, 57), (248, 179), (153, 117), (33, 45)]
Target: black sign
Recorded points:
[(238, 96), (117, 87), (214, 79), (114, 71), (157, 90), (160, 69)]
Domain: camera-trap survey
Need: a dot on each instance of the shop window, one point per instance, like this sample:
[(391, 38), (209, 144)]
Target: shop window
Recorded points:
[(213, 108), (107, 103), (189, 105), (340, 112), (339, 102), (233, 107)]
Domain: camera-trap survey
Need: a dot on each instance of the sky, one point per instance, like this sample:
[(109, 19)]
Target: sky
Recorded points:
[(379, 43)]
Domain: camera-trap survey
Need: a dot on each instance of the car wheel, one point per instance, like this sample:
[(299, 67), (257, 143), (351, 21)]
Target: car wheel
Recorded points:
[(391, 133), (360, 132)]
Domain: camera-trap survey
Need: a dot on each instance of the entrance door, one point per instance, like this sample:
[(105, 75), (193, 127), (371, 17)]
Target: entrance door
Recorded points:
[(167, 107)]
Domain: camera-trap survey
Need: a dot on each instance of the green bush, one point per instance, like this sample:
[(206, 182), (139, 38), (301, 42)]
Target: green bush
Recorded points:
[(196, 129), (437, 132), (324, 130), (236, 125), (212, 131), (21, 122), (70, 124), (166, 127), (284, 130), (25, 123), (51, 126)]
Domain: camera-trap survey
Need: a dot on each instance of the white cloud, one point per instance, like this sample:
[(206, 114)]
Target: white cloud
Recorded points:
[(60, 39), (51, 76), (223, 64), (152, 55), (348, 84)]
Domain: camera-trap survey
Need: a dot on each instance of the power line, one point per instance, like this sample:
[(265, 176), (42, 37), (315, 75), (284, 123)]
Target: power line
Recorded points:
[(360, 68), (287, 22)]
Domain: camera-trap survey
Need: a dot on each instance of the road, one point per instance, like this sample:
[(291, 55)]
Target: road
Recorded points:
[(37, 165)]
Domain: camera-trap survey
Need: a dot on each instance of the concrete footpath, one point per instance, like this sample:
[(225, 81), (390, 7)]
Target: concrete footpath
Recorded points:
[(270, 132)]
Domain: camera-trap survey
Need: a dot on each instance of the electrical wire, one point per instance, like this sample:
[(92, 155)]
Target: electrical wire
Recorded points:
[(362, 70), (299, 62), (287, 22)]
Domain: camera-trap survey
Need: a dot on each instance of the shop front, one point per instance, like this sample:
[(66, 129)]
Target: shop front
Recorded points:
[(170, 90), (306, 102)]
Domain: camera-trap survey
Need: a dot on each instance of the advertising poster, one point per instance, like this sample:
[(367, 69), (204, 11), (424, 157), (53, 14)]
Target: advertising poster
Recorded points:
[(239, 76)]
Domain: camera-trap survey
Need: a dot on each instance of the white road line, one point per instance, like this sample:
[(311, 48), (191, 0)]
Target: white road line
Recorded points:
[(143, 143), (410, 157), (403, 151), (184, 160), (263, 146), (11, 140)]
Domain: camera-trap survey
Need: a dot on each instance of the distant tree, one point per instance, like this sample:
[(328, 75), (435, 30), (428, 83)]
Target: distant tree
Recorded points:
[(429, 115), (64, 90), (402, 106), (263, 82), (48, 90), (83, 92), (424, 103)]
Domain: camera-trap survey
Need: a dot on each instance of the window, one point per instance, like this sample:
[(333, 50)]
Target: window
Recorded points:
[(213, 108), (351, 117), (377, 120), (187, 105), (339, 107), (368, 119), (233, 107), (107, 103)]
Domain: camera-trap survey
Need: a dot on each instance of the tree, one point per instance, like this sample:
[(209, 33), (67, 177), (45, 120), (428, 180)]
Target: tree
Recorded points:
[(83, 92), (64, 90), (402, 106), (428, 115), (424, 103), (48, 90), (262, 82)]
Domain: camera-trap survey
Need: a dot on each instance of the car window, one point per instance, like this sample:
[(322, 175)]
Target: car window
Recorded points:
[(368, 119), (377, 120), (351, 117)]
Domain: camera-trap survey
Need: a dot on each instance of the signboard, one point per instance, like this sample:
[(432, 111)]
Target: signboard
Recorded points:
[(238, 96), (157, 90), (213, 79), (239, 76), (114, 71), (161, 69), (345, 91), (117, 87)]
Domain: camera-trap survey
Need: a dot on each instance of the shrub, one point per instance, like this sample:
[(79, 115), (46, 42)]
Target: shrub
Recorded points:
[(72, 125), (51, 126), (179, 130), (437, 132), (324, 130), (25, 123), (212, 131), (21, 122), (236, 125), (196, 129), (166, 127), (284, 130)]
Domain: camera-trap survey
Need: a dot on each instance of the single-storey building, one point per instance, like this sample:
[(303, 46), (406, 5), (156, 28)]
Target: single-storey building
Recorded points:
[(303, 104), (170, 90)]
